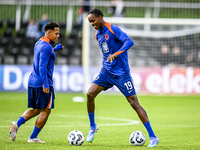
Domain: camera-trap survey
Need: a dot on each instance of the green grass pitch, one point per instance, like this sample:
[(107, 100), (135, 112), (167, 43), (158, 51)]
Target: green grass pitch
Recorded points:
[(175, 120)]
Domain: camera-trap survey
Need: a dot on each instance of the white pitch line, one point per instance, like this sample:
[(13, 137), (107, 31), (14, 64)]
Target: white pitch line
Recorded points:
[(124, 122)]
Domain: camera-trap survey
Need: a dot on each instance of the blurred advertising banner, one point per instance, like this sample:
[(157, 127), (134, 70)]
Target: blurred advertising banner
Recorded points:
[(167, 80), (71, 79)]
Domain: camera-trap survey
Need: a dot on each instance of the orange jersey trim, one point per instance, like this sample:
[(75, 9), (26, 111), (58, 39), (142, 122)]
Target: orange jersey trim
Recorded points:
[(45, 39), (108, 25), (95, 35), (119, 52)]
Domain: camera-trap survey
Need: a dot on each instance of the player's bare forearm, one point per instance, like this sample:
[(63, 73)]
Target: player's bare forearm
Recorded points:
[(111, 57)]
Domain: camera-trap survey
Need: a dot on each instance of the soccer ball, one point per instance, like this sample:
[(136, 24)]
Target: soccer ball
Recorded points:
[(137, 138), (76, 137)]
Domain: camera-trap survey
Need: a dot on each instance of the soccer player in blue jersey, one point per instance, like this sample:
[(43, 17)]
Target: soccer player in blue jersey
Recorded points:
[(114, 44), (40, 84)]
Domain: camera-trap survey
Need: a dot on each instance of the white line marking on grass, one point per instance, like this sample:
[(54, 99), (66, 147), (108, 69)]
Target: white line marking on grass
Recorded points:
[(84, 125), (122, 122), (127, 121), (118, 122)]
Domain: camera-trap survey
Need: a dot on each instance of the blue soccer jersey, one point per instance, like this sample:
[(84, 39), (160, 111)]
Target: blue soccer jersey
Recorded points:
[(43, 64), (112, 40)]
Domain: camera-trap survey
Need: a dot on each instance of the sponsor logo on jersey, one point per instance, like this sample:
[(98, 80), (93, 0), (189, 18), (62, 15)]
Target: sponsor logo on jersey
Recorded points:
[(105, 48)]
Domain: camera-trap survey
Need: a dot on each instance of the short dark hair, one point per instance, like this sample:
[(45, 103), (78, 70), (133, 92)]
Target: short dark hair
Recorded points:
[(97, 12), (51, 25)]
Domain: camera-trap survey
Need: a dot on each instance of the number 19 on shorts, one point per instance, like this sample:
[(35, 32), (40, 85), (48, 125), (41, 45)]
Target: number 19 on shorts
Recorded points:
[(128, 85)]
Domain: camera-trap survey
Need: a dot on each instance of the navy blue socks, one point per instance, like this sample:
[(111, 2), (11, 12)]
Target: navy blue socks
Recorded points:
[(20, 121), (149, 130), (92, 122), (35, 132)]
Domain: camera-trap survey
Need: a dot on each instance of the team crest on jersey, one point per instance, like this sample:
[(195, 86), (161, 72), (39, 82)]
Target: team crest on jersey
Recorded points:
[(105, 48), (106, 36)]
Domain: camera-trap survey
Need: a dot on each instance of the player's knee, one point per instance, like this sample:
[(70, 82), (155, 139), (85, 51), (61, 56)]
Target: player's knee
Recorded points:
[(47, 111), (90, 96), (36, 111)]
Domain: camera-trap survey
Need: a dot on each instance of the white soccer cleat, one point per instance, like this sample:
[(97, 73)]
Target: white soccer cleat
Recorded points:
[(35, 140), (13, 131), (153, 142), (91, 133)]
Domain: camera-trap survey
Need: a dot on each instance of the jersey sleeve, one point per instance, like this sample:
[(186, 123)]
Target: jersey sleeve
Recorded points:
[(45, 54), (124, 38)]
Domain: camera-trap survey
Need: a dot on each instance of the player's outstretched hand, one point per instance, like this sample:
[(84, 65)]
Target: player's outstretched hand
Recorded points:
[(111, 57), (58, 47)]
